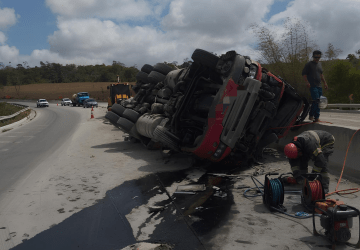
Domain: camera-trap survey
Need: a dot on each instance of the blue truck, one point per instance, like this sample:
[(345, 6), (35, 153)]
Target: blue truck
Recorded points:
[(79, 98)]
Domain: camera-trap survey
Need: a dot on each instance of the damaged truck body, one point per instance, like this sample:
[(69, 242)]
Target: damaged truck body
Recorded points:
[(216, 108)]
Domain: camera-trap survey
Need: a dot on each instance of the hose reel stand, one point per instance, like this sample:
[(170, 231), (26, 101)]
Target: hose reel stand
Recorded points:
[(312, 190), (273, 196)]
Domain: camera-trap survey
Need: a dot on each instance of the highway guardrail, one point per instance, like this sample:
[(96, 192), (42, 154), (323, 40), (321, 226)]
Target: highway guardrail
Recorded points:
[(4, 118)]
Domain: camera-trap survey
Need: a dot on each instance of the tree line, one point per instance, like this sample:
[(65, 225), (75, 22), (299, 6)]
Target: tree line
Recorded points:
[(287, 55)]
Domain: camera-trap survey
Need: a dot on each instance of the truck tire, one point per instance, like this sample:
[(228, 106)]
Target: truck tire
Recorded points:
[(112, 117), (162, 68), (147, 68), (131, 115), (74, 104), (166, 138), (205, 58), (142, 77), (118, 109), (125, 124), (155, 77)]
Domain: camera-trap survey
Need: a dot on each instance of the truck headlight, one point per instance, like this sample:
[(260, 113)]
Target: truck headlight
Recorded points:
[(220, 150), (253, 71)]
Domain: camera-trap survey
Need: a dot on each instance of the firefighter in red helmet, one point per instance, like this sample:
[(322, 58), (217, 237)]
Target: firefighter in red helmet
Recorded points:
[(316, 145)]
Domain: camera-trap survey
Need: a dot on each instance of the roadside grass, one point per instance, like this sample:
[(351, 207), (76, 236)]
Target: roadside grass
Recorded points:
[(8, 109), (15, 119), (57, 91)]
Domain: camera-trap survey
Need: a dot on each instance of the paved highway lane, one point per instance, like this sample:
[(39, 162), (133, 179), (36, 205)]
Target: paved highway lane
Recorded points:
[(22, 148)]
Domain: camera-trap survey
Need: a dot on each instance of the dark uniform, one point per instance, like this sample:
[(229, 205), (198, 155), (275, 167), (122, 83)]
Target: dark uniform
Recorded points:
[(316, 145)]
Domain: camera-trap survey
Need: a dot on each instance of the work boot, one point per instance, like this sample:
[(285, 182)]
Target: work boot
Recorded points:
[(311, 118), (317, 120)]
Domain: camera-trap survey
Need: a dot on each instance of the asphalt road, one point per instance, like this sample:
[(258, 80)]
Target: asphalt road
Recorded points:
[(23, 148), (81, 186)]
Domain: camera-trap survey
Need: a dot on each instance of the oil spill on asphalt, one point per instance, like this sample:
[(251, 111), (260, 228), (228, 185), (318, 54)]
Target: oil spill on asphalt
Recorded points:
[(187, 219)]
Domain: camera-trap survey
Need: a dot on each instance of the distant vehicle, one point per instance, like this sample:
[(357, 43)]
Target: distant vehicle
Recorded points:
[(90, 103), (42, 103), (79, 98), (118, 92), (66, 102)]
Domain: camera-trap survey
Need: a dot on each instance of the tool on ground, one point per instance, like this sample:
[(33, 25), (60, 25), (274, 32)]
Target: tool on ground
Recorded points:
[(312, 190), (273, 196), (336, 219)]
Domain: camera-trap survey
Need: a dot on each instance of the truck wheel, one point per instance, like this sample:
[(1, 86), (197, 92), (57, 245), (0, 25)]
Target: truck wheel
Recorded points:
[(131, 115), (205, 58), (118, 109), (142, 77), (147, 68), (166, 138), (125, 124), (74, 104), (155, 77), (112, 117), (162, 68)]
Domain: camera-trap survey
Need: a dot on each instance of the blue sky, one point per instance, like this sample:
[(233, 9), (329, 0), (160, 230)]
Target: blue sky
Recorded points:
[(137, 32), (37, 22)]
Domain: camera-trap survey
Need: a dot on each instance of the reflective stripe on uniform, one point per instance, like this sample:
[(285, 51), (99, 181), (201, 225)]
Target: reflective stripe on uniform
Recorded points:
[(317, 151), (327, 144), (317, 169), (295, 168), (313, 133)]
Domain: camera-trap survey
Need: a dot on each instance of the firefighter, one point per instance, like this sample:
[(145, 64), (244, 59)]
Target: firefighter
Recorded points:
[(316, 145)]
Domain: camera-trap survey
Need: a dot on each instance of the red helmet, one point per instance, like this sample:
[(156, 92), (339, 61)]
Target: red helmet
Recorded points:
[(291, 151)]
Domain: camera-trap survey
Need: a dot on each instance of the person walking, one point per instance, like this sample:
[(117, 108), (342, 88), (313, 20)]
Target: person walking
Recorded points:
[(313, 75), (316, 145)]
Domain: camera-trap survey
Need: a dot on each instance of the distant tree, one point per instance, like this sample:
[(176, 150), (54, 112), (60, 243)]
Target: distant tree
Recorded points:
[(287, 54), (331, 52)]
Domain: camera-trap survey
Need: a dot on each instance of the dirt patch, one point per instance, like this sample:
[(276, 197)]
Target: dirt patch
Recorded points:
[(57, 91)]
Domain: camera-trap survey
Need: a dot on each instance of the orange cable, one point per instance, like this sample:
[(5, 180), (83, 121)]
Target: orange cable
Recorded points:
[(342, 171)]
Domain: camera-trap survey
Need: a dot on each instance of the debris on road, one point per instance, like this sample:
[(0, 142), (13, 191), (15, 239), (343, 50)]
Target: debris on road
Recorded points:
[(193, 187), (154, 209)]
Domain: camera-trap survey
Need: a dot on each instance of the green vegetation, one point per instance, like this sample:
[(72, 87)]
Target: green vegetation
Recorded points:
[(344, 80), (8, 109), (286, 56), (57, 73)]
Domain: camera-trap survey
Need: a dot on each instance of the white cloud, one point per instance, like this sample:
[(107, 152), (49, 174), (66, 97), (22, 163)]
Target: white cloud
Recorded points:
[(119, 10), (333, 21), (3, 38), (7, 18), (94, 32)]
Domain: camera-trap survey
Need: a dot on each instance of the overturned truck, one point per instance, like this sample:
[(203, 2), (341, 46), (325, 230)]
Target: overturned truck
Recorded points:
[(218, 108)]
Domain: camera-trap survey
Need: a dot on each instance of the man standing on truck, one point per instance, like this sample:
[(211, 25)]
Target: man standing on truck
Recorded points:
[(313, 75), (316, 145)]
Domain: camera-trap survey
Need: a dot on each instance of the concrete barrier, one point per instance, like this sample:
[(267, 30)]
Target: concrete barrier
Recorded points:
[(342, 137)]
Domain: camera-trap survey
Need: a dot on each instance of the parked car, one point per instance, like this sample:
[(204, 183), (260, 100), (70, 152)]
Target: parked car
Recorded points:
[(66, 102), (226, 107), (88, 103), (42, 103)]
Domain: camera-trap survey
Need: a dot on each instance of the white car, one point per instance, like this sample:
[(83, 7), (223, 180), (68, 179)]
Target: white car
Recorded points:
[(66, 102), (42, 103)]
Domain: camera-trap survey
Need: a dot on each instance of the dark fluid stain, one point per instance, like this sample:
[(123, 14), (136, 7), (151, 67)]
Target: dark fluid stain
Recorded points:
[(243, 242), (104, 225)]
